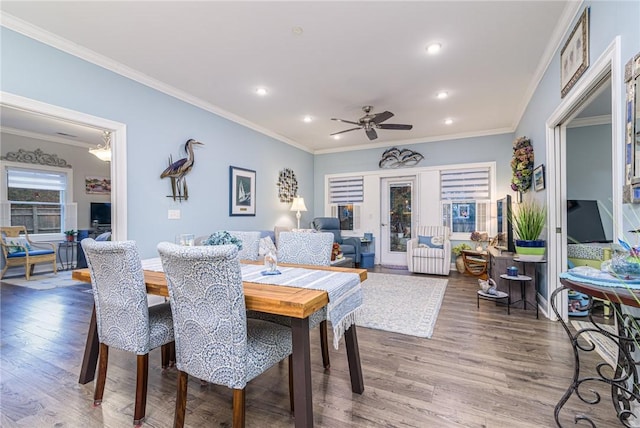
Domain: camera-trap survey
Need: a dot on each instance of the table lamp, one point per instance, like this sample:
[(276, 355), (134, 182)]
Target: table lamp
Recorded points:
[(297, 206)]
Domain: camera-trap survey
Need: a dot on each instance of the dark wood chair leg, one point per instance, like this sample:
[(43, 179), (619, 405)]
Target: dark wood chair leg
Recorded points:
[(141, 389), (164, 355), (102, 374), (172, 354), (181, 400), (324, 345), (291, 406), (238, 408)]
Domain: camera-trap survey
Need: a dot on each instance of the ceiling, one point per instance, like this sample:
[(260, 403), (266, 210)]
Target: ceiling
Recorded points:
[(323, 59)]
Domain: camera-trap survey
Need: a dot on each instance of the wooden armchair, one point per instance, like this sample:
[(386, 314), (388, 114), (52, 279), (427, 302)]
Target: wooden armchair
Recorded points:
[(475, 263), (21, 251)]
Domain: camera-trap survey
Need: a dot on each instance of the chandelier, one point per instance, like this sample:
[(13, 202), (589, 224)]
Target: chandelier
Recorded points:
[(103, 151)]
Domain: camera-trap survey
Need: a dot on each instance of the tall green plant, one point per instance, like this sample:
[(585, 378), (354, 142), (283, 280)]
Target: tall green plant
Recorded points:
[(529, 221)]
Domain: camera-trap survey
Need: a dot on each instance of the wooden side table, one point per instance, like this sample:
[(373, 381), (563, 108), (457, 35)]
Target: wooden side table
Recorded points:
[(475, 263)]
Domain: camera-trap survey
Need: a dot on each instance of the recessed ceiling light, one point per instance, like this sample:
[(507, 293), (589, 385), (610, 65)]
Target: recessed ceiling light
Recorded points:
[(434, 48), (448, 121), (307, 119), (442, 95), (261, 91), (297, 30), (336, 137)]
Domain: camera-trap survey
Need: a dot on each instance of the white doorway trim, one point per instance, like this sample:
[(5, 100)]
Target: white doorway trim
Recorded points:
[(118, 150), (608, 62)]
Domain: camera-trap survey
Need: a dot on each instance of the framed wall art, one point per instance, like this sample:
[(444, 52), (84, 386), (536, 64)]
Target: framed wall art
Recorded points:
[(538, 178), (97, 185), (287, 185), (574, 57), (242, 191)]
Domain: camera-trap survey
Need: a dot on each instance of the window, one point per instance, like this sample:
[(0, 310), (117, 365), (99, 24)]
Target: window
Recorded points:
[(465, 199), (344, 195), (36, 199)]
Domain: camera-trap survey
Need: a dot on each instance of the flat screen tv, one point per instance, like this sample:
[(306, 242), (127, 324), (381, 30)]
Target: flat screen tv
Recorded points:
[(505, 227), (584, 223), (101, 211)]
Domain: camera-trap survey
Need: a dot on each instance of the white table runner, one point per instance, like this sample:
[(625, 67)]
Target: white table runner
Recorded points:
[(344, 290)]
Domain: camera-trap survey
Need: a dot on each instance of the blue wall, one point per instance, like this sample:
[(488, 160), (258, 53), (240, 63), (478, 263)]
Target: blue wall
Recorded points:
[(589, 169), (157, 124), (496, 148), (607, 20)]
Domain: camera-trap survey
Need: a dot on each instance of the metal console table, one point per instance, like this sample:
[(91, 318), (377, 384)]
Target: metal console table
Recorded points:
[(69, 249), (623, 379)]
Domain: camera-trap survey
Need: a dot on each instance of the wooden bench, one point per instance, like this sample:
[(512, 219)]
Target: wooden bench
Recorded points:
[(19, 250)]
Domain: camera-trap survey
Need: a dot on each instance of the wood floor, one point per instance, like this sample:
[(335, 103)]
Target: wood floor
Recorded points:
[(481, 368)]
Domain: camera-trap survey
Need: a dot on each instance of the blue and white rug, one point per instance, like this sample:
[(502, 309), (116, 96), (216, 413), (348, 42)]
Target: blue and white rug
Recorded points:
[(401, 303), (45, 281)]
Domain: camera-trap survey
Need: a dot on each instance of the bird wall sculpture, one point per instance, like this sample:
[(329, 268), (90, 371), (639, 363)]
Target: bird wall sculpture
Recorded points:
[(177, 170)]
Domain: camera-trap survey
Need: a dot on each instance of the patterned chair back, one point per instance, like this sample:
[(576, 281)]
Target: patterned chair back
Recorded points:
[(305, 248), (119, 293), (209, 315), (250, 244)]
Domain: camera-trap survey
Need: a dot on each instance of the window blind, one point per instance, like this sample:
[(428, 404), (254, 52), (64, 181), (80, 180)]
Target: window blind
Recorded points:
[(346, 190), (465, 184), (39, 180)]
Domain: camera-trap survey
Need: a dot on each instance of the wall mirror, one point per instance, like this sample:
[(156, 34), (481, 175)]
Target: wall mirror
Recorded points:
[(632, 131)]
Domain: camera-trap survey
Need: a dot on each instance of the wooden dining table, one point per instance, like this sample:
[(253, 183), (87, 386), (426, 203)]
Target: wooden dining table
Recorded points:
[(296, 303)]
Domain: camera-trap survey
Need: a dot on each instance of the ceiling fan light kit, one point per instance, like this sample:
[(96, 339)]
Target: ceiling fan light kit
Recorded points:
[(372, 121)]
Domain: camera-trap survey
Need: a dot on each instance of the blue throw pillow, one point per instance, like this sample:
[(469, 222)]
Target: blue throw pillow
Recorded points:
[(431, 241), (17, 245)]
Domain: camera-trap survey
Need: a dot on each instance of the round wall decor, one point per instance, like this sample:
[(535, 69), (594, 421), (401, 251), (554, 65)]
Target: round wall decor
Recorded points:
[(287, 185)]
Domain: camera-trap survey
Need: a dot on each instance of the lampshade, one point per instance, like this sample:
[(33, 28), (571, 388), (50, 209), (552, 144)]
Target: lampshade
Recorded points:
[(103, 152), (298, 204)]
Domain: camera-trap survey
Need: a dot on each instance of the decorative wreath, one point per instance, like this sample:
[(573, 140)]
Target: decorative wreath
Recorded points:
[(522, 164)]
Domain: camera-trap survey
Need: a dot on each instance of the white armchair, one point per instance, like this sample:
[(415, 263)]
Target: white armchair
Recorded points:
[(430, 250)]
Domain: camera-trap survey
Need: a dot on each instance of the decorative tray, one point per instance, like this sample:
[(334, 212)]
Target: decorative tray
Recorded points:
[(266, 272)]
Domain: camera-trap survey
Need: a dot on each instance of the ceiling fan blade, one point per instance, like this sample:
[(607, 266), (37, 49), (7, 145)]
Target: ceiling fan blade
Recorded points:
[(346, 130), (394, 126), (345, 121), (371, 133), (381, 117)]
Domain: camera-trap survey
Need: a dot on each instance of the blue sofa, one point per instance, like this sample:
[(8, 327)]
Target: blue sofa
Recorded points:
[(350, 246)]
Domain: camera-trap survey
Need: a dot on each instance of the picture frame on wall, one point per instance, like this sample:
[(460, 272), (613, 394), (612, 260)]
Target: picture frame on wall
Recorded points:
[(538, 178), (574, 56), (242, 192), (97, 185)]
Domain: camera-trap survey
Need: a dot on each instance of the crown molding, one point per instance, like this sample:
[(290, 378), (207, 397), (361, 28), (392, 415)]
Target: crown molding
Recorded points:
[(437, 138), (44, 137), (29, 30), (557, 37), (590, 121)]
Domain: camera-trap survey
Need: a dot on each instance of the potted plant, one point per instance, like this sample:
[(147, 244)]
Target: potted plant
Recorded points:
[(71, 235), (457, 250), (528, 223)]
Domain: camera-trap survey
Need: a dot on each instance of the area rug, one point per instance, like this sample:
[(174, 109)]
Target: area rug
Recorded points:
[(402, 304), (45, 281), (605, 347)]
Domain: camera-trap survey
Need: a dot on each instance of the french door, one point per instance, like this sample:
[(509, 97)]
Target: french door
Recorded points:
[(396, 228)]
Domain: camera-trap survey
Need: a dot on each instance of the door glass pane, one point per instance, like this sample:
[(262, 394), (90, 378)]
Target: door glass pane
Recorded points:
[(399, 216)]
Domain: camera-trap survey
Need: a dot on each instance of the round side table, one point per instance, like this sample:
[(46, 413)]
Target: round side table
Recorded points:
[(495, 297), (523, 280)]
